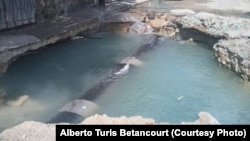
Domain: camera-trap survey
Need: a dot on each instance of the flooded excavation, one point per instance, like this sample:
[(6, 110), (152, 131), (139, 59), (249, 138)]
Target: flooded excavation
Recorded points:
[(40, 84), (177, 81), (172, 82)]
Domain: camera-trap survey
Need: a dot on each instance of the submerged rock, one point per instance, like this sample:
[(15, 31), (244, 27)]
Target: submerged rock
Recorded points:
[(81, 107), (132, 61), (19, 102)]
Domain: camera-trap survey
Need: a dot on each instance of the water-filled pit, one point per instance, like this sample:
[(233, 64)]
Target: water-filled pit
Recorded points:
[(174, 82)]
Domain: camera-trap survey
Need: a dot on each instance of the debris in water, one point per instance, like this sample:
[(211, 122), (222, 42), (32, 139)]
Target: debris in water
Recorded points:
[(77, 37), (179, 98)]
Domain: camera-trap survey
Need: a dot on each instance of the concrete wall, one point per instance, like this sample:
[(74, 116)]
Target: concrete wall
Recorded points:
[(15, 13), (48, 9)]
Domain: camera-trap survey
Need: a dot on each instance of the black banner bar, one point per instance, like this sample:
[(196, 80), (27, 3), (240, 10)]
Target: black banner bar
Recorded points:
[(78, 132)]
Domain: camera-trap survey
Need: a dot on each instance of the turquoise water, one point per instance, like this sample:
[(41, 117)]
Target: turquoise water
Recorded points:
[(179, 71), (56, 75)]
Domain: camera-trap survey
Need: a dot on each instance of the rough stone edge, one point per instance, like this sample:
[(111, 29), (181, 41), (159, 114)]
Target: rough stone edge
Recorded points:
[(213, 41), (232, 60), (31, 130)]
